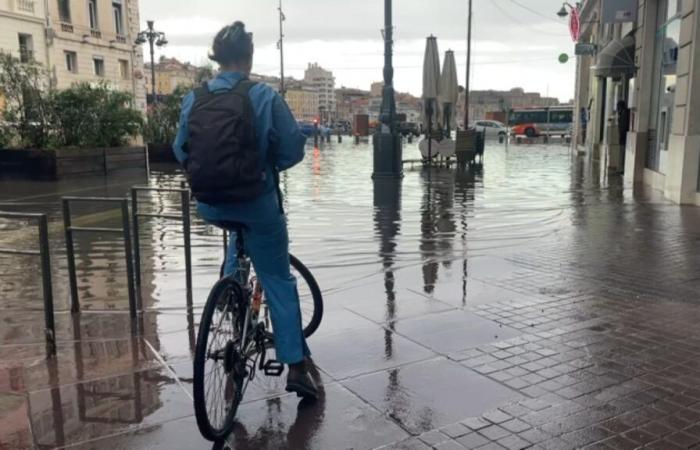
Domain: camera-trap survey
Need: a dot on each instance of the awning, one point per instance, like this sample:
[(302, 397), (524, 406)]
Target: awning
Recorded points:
[(616, 58)]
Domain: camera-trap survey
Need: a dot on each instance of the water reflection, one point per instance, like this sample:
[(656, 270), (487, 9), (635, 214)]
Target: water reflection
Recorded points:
[(437, 223)]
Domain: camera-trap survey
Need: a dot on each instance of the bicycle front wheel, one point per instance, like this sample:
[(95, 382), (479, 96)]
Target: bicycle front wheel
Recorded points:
[(219, 373)]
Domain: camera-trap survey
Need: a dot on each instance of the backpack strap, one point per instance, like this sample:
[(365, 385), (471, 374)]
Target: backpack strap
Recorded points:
[(244, 86), (201, 90)]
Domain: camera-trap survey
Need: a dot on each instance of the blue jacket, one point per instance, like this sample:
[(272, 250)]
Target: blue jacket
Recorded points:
[(280, 142)]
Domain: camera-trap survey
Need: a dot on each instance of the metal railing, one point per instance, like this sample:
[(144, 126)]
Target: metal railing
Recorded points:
[(186, 227), (43, 253), (125, 230)]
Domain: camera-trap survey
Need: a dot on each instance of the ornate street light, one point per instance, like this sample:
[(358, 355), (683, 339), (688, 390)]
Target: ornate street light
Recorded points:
[(152, 37), (563, 12)]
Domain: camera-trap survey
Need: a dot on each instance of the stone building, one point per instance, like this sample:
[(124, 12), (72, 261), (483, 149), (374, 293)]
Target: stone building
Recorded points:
[(22, 24), (170, 73), (77, 41), (323, 82), (350, 101), (303, 102), (645, 56)]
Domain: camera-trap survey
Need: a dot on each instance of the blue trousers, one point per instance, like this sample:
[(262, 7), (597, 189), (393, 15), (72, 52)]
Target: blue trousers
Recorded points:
[(267, 243)]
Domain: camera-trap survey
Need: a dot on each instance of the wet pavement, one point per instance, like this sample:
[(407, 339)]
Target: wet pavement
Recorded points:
[(527, 303)]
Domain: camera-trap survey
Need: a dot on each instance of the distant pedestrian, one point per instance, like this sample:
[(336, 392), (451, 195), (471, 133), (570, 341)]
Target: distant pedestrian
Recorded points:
[(623, 126)]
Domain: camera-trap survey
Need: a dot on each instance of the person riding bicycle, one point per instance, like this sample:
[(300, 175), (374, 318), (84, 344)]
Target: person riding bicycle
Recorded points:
[(234, 137)]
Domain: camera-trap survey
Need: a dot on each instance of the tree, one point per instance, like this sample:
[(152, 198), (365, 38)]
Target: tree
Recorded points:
[(204, 73), (28, 111), (162, 119)]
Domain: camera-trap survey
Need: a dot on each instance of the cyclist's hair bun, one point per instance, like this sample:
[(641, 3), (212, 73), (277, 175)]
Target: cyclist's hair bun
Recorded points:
[(232, 44)]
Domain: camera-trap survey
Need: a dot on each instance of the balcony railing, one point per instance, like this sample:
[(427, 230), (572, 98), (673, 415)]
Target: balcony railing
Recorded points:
[(66, 27), (25, 5), (96, 33), (121, 39)]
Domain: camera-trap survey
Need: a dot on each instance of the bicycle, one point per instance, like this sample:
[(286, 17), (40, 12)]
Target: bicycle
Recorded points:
[(234, 335)]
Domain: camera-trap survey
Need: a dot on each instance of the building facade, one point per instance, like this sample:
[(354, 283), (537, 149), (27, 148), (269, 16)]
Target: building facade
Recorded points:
[(22, 24), (645, 73), (303, 102), (350, 102), (170, 73), (77, 41), (323, 82)]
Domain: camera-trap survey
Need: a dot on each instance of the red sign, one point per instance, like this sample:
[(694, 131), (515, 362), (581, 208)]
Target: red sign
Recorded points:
[(574, 25)]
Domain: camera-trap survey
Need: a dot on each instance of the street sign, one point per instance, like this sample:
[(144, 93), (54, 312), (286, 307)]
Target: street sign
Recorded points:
[(585, 49), (563, 58)]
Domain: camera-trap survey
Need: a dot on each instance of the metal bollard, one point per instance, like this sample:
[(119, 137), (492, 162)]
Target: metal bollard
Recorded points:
[(186, 230), (70, 256), (125, 231)]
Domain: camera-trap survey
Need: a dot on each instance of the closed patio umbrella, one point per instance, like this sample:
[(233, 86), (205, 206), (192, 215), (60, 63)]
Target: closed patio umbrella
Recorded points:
[(448, 92), (431, 88)]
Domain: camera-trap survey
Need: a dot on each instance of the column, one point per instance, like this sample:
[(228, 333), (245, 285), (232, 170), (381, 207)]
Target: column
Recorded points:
[(684, 143)]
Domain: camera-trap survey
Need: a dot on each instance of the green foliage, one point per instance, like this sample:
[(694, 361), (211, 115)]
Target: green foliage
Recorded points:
[(163, 117), (95, 116), (28, 114)]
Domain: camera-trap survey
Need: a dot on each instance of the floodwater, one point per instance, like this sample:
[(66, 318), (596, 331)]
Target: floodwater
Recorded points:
[(347, 229), (416, 275)]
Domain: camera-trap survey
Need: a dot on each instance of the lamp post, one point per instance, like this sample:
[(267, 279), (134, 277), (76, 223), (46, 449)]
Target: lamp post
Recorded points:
[(152, 37), (387, 141), (280, 45)]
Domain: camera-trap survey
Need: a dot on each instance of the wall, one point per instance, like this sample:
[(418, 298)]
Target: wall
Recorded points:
[(23, 16), (104, 42)]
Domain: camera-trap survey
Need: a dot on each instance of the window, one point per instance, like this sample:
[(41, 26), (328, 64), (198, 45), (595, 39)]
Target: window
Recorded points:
[(124, 68), (92, 13), (64, 10), (117, 13), (99, 66), (26, 48), (71, 62)]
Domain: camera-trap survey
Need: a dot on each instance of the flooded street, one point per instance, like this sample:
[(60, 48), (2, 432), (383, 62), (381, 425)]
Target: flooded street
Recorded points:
[(525, 302)]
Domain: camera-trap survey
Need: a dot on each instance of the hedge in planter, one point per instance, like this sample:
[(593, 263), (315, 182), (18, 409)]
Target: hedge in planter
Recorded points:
[(95, 116)]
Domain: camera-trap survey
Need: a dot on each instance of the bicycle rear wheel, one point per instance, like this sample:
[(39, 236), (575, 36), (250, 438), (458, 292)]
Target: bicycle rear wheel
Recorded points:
[(310, 300), (219, 373)]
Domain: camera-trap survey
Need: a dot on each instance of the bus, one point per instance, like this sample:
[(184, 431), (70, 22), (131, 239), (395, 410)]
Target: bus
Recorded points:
[(533, 122)]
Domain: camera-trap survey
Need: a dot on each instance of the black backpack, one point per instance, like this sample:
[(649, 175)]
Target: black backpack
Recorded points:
[(223, 164)]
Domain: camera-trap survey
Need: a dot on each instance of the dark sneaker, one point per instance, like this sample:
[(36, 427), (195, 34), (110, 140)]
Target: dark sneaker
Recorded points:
[(299, 380)]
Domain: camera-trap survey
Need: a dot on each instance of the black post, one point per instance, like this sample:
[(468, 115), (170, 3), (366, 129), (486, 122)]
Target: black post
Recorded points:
[(70, 256), (387, 141), (129, 259), (46, 285), (137, 238), (185, 197)]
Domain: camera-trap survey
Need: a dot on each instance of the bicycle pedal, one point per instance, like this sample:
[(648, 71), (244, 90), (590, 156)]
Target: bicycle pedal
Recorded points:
[(273, 368)]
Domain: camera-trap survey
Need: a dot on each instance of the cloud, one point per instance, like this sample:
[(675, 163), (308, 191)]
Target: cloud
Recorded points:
[(512, 46)]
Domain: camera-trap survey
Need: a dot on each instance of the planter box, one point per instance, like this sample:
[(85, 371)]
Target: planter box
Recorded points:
[(159, 153), (67, 162)]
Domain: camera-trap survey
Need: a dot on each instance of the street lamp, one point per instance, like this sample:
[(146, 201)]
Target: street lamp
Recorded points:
[(563, 12), (152, 37)]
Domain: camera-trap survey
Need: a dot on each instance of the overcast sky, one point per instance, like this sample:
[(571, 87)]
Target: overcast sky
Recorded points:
[(515, 42)]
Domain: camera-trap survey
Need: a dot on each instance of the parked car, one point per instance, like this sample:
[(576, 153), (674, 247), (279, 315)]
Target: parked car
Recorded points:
[(492, 129)]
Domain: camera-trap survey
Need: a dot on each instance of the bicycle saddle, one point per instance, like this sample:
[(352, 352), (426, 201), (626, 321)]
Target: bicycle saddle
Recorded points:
[(230, 225)]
